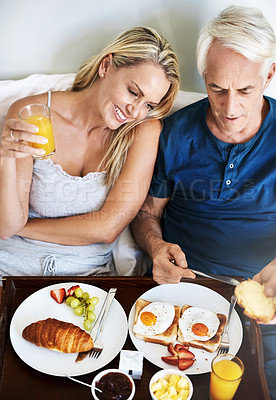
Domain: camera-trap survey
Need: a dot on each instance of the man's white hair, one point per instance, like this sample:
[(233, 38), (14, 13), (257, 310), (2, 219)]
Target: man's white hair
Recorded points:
[(242, 29)]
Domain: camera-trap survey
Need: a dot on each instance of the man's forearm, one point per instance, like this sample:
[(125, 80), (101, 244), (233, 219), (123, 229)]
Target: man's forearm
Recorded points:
[(147, 232)]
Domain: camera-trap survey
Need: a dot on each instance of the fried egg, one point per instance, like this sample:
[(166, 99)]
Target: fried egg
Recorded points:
[(154, 318), (198, 323)]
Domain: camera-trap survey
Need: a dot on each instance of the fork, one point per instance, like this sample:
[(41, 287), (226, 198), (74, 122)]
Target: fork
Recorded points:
[(98, 344), (225, 343), (94, 331)]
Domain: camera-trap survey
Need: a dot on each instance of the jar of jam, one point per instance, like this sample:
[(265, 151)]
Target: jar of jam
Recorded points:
[(113, 385)]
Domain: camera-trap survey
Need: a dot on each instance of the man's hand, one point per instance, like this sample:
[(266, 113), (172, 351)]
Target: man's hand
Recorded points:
[(267, 276), (170, 265)]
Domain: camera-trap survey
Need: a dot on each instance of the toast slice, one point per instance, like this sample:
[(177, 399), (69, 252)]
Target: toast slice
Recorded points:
[(210, 345), (251, 296), (162, 338)]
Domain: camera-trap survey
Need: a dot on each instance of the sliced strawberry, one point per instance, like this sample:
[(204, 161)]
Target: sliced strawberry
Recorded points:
[(172, 350), (185, 354), (184, 363), (180, 346), (172, 360), (71, 290), (181, 356), (58, 295)]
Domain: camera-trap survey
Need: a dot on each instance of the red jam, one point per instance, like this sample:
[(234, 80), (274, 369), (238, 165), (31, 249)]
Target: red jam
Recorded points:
[(114, 386)]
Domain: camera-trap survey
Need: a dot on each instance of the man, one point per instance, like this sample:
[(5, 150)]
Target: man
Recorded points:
[(212, 201)]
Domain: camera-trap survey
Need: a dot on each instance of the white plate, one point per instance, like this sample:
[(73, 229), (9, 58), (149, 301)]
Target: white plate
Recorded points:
[(40, 305), (195, 295)]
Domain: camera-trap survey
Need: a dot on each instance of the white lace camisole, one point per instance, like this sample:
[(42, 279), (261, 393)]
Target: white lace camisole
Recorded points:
[(54, 193)]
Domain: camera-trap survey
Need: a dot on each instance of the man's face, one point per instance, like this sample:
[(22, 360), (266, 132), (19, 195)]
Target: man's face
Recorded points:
[(235, 91)]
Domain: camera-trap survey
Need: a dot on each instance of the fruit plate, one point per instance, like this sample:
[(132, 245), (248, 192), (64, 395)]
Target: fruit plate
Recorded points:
[(194, 295), (40, 305)]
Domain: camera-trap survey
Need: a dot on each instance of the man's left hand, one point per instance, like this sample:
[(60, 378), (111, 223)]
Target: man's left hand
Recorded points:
[(267, 276)]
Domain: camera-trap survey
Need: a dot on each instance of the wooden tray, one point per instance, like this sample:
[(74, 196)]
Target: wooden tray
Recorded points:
[(21, 382)]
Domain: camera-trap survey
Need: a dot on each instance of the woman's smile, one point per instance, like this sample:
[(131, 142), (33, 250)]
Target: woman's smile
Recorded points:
[(119, 114)]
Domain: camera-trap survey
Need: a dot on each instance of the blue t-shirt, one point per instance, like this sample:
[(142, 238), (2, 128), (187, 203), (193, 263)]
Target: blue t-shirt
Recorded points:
[(222, 208)]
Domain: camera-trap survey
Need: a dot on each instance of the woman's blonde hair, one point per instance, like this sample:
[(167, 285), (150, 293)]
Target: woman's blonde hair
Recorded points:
[(132, 47)]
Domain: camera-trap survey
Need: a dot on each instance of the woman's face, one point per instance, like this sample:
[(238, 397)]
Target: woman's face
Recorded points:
[(127, 94)]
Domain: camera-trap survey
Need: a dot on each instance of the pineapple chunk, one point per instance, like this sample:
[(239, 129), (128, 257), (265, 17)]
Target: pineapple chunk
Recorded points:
[(164, 383), (184, 394), (165, 396), (174, 379), (159, 393), (183, 383), (176, 397), (172, 391), (156, 386)]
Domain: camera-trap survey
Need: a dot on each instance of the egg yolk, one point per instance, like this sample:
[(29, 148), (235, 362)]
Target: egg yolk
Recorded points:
[(148, 318), (200, 329)]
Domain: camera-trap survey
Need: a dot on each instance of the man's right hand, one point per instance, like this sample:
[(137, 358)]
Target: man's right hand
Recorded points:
[(170, 265), (169, 261)]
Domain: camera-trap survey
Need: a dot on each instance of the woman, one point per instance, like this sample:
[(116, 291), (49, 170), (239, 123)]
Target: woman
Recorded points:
[(80, 200)]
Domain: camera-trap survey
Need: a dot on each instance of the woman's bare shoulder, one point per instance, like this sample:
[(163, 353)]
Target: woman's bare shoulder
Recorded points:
[(38, 98), (150, 129), (146, 140)]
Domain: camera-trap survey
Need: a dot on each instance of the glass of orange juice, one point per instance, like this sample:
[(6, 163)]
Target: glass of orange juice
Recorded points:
[(226, 374), (39, 115)]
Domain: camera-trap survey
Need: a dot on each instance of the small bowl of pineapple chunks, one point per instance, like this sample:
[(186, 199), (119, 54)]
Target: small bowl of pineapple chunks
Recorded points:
[(170, 384)]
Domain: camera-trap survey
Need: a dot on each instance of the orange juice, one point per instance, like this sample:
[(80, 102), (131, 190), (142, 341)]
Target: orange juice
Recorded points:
[(39, 115), (45, 129), (225, 379)]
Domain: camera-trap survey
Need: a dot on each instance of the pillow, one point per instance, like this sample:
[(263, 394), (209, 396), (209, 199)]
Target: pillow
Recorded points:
[(183, 99), (12, 90), (128, 258)]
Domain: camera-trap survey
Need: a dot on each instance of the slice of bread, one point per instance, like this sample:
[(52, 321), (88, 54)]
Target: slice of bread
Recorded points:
[(210, 345), (250, 296), (162, 338)]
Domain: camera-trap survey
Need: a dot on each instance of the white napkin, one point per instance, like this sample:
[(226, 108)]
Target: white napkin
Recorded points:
[(131, 362)]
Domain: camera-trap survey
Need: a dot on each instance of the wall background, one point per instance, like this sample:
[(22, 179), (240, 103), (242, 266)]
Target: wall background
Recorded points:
[(57, 36)]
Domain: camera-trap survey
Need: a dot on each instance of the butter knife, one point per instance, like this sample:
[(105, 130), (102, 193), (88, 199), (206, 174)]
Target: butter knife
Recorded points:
[(94, 330), (221, 278)]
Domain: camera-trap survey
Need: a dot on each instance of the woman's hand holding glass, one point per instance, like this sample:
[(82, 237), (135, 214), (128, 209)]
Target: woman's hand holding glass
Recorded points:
[(17, 137)]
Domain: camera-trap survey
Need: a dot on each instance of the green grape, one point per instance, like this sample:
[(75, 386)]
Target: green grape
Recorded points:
[(78, 310), (85, 296), (90, 307), (94, 300), (91, 316), (78, 292), (75, 303), (83, 304), (68, 300), (87, 324)]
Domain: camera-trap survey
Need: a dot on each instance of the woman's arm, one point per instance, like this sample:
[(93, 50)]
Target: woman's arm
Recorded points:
[(122, 204), (16, 166), (14, 194)]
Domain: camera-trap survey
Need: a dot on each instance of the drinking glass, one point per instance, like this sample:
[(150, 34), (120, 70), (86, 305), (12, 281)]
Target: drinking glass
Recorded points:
[(226, 374), (39, 115)]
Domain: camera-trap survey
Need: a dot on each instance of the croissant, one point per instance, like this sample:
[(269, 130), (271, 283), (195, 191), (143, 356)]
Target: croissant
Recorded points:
[(58, 335)]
